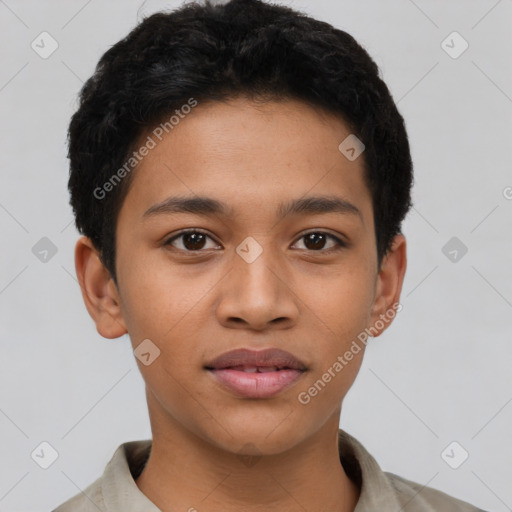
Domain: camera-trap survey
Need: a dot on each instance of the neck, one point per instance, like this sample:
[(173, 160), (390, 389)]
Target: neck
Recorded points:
[(185, 472)]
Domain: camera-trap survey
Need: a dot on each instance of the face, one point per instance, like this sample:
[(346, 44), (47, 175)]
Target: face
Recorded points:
[(280, 255)]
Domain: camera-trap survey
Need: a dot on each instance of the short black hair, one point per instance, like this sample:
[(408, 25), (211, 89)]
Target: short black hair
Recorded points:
[(215, 52)]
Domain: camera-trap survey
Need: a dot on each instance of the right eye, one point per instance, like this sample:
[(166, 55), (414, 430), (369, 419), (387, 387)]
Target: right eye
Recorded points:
[(192, 240)]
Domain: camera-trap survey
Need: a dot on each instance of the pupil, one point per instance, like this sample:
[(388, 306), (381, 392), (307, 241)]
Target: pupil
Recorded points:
[(318, 240), (196, 240)]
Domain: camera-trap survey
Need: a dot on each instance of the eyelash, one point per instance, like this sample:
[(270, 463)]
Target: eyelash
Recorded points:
[(340, 244)]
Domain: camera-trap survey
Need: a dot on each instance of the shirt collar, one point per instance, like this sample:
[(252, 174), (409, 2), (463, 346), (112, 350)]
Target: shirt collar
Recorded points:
[(377, 493), (120, 492)]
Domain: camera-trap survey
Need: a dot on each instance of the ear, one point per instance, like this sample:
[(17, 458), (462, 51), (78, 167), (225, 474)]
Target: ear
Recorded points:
[(98, 290), (388, 286)]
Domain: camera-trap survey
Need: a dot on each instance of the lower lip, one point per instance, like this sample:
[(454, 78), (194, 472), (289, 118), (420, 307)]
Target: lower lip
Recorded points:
[(256, 385)]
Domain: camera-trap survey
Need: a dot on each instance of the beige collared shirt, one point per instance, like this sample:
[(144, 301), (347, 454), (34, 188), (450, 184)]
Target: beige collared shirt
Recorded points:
[(116, 490)]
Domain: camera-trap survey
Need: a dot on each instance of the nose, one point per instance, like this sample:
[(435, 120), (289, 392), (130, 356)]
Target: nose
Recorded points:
[(258, 294)]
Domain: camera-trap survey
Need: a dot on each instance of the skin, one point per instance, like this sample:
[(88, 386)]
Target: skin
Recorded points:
[(199, 304)]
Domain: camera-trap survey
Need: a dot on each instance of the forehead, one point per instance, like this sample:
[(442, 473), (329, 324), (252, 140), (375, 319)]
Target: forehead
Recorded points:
[(248, 156)]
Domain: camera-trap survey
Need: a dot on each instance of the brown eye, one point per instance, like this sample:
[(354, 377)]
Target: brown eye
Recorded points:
[(192, 240), (316, 240)]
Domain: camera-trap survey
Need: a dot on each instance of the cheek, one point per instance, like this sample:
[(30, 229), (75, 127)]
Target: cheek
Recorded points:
[(325, 389), (167, 308), (157, 301), (331, 377), (339, 304), (337, 313)]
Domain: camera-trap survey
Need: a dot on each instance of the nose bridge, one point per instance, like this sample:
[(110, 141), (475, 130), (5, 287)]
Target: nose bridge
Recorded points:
[(252, 266), (256, 290)]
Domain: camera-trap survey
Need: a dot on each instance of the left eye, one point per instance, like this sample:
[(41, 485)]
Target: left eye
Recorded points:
[(317, 239), (195, 240)]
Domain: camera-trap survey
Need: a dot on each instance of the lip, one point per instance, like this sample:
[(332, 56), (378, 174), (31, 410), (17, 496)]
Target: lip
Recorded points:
[(270, 371)]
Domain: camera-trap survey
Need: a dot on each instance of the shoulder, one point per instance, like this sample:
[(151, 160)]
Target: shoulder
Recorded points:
[(415, 497), (116, 489), (89, 500)]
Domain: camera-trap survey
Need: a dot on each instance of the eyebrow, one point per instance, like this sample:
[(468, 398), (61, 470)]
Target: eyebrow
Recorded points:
[(206, 206)]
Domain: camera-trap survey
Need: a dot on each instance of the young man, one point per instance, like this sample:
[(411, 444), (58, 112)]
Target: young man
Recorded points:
[(240, 174)]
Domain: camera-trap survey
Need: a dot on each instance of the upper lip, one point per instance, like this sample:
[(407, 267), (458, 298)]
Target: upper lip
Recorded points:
[(261, 358)]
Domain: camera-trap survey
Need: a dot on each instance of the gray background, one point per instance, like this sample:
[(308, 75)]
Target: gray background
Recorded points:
[(440, 373)]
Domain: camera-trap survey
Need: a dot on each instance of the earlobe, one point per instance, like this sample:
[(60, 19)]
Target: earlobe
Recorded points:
[(99, 292), (389, 286)]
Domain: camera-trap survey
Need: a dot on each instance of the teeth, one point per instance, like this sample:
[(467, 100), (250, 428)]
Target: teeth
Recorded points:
[(268, 369), (256, 369)]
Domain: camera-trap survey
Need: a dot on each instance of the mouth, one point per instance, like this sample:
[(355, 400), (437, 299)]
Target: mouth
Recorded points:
[(256, 374)]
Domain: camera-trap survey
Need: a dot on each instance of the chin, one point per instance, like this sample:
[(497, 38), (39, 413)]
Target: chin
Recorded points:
[(269, 435)]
